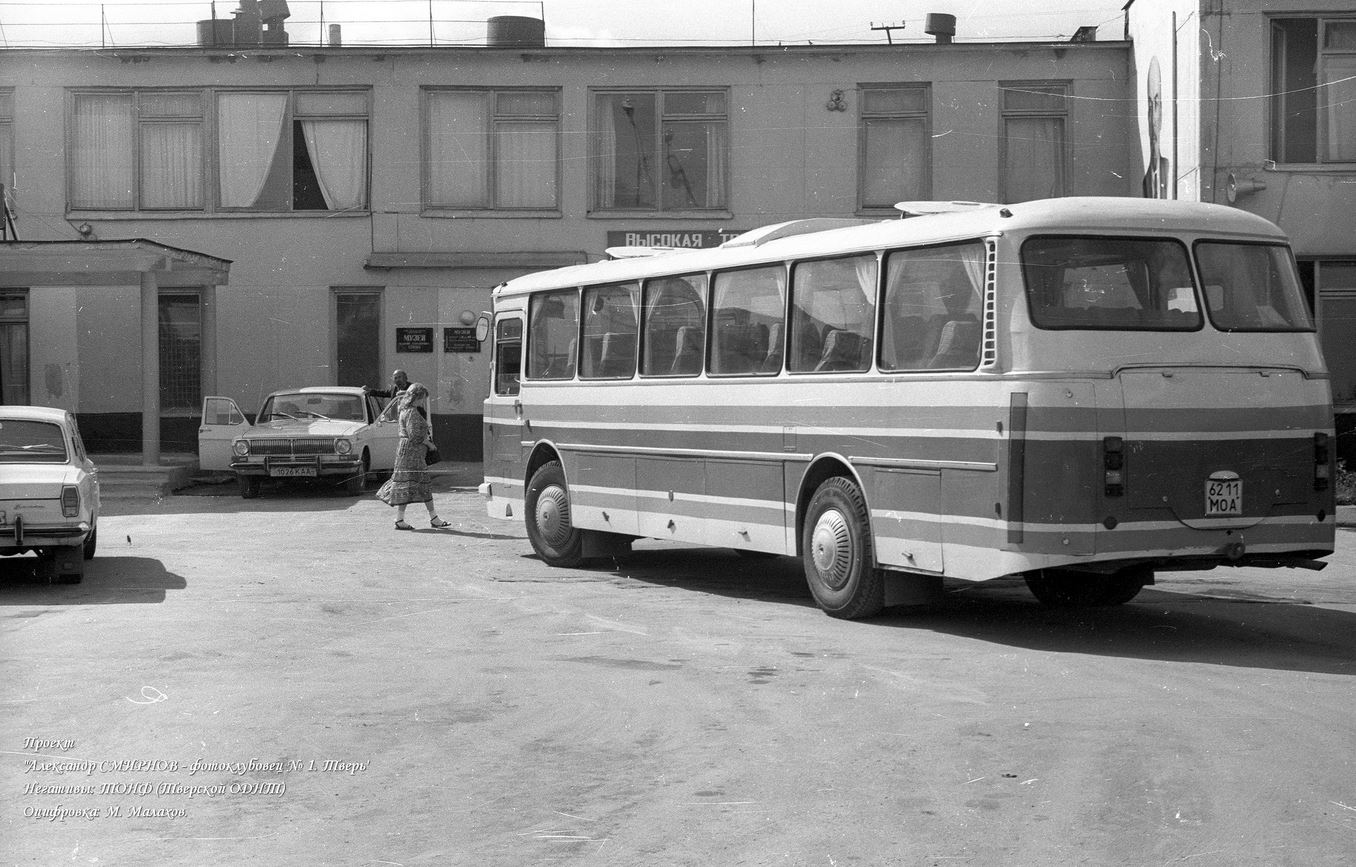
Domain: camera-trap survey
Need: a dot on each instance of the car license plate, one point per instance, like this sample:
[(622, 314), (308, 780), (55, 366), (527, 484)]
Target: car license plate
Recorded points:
[(1223, 497), (291, 472)]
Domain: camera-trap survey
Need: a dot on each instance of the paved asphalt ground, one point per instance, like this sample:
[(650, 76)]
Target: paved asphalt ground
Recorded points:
[(289, 681)]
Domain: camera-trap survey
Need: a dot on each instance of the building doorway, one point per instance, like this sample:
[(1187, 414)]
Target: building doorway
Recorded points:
[(14, 347)]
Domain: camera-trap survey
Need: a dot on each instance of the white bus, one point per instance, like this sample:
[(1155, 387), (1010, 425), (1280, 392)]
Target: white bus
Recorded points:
[(1078, 391)]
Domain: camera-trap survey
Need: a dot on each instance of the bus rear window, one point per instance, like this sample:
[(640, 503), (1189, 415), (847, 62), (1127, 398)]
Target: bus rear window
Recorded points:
[(1251, 287), (1119, 284)]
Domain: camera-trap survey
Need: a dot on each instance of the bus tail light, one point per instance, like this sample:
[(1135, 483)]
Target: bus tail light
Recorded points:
[(70, 501), (1322, 464), (1113, 466)]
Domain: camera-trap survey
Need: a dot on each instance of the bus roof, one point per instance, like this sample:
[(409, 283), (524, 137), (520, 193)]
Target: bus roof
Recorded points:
[(1120, 215)]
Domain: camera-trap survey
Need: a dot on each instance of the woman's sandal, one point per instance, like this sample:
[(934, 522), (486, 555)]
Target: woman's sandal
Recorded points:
[(401, 525), (437, 523)]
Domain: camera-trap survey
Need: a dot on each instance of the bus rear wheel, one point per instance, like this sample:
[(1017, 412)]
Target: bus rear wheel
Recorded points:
[(836, 541), (1058, 588), (553, 536)]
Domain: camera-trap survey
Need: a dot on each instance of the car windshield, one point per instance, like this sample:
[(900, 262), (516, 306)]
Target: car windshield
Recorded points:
[(306, 406), (25, 442)]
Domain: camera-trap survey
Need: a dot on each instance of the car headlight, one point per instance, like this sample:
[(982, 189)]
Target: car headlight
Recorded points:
[(241, 448), (343, 447)]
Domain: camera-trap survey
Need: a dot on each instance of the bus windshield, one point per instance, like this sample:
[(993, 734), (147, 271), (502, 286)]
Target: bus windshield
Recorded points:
[(1251, 287), (1110, 283)]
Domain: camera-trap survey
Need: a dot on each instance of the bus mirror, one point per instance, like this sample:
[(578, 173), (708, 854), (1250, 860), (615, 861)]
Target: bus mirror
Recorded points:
[(482, 328)]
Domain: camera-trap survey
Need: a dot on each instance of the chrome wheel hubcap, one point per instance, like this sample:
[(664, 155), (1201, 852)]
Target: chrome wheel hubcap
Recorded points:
[(831, 549), (553, 516)]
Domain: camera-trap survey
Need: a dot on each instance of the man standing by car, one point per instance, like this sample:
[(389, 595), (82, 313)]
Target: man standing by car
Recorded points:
[(399, 382)]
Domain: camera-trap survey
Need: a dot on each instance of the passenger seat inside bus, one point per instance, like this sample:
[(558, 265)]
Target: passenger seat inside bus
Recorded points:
[(687, 354), (842, 351), (958, 345)]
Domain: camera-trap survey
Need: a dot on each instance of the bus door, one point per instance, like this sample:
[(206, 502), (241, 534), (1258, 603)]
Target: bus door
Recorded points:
[(503, 416)]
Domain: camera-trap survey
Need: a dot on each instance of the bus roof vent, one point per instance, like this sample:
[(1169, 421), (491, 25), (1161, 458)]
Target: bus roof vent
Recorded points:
[(636, 252), (924, 209), (758, 237)]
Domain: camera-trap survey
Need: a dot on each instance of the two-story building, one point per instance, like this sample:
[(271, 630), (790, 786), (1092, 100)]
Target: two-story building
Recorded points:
[(365, 200)]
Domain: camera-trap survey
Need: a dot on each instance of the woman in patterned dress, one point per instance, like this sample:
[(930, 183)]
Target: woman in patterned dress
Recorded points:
[(410, 482)]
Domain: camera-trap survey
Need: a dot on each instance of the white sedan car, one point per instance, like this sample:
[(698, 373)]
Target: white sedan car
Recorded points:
[(300, 433), (49, 490)]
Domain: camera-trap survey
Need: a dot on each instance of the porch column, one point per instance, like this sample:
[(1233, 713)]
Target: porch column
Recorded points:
[(150, 369)]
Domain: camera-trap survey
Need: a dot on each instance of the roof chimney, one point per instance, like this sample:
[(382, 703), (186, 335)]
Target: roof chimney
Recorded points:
[(940, 25)]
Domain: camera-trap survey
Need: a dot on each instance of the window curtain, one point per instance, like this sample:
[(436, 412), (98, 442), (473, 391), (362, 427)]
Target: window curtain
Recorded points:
[(1339, 102), (458, 150), (1033, 159), (338, 151), (249, 129), (971, 257), (717, 161), (605, 160), (895, 151), (171, 165), (102, 170), (525, 165)]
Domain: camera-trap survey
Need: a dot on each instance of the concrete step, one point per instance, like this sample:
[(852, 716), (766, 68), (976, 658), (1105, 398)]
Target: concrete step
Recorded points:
[(125, 477)]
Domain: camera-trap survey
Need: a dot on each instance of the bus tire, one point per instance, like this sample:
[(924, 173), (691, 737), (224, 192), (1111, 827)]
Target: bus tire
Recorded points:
[(555, 539), (836, 540)]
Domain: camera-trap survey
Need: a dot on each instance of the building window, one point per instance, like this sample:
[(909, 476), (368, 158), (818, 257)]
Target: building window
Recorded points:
[(14, 347), (1334, 283), (357, 337), (1313, 63), (660, 150), (1034, 146), (302, 151), (180, 352), (137, 151), (895, 156), (271, 151), (492, 149)]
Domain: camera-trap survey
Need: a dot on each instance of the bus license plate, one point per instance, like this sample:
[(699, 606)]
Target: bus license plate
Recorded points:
[(291, 472), (1223, 497)]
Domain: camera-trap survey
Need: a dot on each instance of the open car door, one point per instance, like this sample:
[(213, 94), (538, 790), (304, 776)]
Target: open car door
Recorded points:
[(222, 422)]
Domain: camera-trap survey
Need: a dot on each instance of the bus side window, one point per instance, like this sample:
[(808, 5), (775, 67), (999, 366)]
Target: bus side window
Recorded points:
[(552, 335), (674, 328), (745, 305), (610, 330), (833, 313)]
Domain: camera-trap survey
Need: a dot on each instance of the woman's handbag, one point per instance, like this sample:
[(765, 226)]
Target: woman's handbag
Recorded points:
[(385, 491), (431, 456)]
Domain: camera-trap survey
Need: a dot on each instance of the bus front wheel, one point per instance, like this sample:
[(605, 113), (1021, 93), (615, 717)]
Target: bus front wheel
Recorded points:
[(553, 536), (836, 541)]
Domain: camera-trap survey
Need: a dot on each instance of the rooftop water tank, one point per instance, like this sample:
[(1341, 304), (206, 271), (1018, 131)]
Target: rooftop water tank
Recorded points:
[(516, 31)]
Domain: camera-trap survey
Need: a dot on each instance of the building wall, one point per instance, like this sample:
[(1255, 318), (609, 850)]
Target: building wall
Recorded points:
[(790, 157)]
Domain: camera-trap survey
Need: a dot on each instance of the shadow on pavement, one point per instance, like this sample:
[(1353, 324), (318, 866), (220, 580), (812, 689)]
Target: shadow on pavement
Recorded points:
[(274, 496), (108, 581), (1245, 631)]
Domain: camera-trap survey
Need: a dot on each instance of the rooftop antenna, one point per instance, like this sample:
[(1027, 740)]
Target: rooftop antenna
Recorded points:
[(889, 30)]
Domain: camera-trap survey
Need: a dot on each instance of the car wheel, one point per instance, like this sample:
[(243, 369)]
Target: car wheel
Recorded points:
[(836, 541), (91, 542), (553, 536), (249, 486), (355, 484)]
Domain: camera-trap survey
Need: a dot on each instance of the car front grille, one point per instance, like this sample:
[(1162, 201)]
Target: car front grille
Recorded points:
[(302, 447)]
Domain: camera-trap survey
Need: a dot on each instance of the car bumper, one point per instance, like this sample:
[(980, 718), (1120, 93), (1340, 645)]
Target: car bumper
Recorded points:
[(17, 537), (330, 465)]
